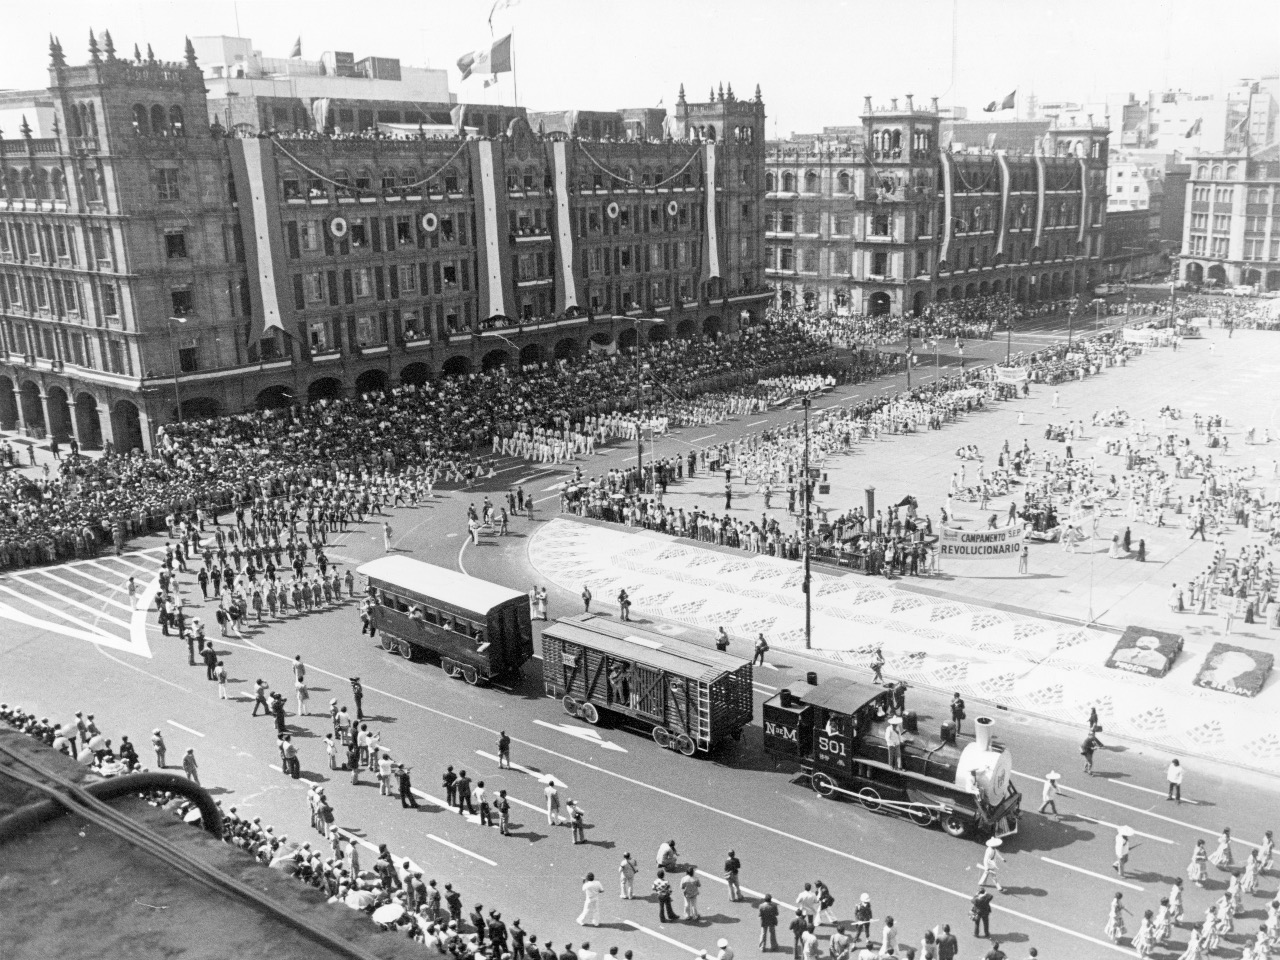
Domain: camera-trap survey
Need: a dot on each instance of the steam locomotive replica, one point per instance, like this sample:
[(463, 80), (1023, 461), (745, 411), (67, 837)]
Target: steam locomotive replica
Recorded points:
[(850, 744)]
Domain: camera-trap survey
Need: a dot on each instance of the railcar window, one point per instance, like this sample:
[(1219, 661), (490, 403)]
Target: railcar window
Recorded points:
[(401, 605)]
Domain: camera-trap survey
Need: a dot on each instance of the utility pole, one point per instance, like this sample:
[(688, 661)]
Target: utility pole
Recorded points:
[(639, 414), (807, 489), (173, 360)]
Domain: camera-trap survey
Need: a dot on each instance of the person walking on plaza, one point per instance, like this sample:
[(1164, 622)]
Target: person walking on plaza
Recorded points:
[(627, 870), (624, 606), (1115, 918), (260, 698), (1174, 776), (957, 710), (980, 913), (990, 866), (504, 750), (592, 891), (1122, 850), (407, 797), (663, 889), (1049, 795), (386, 536), (1024, 559), (948, 945), (300, 691), (1222, 856), (577, 822), (862, 917), (220, 674), (463, 795), (690, 886), (1087, 749), (357, 693), (503, 806), (731, 867), (553, 804), (157, 744), (189, 766), (586, 599), (877, 666), (210, 662), (762, 647), (768, 913)]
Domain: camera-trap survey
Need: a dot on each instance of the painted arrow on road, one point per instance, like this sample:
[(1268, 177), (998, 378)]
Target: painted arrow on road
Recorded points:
[(82, 631), (582, 733)]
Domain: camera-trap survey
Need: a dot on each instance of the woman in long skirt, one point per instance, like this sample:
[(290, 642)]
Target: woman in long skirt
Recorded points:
[(1175, 902), (1163, 921), (1235, 892), (1197, 871), (1222, 856), (1209, 930), (1115, 919), (1266, 851), (1144, 939), (1193, 951), (1226, 924)]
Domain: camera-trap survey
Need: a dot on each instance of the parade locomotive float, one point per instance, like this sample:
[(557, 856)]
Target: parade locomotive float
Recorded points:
[(839, 732), (691, 698)]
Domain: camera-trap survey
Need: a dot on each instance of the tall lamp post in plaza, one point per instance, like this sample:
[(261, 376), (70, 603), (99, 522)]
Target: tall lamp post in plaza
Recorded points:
[(640, 405), (173, 359), (807, 490)]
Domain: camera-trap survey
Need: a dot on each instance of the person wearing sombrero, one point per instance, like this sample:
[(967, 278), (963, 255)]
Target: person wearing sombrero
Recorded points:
[(1122, 849), (991, 860), (1048, 797)]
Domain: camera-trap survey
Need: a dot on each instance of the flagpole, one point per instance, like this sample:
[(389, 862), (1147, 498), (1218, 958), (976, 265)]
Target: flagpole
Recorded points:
[(515, 84)]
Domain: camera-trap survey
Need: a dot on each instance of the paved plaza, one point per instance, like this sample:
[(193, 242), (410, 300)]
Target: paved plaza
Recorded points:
[(1024, 641)]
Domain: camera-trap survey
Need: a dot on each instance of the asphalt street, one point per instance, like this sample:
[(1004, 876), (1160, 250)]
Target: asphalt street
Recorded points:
[(65, 647)]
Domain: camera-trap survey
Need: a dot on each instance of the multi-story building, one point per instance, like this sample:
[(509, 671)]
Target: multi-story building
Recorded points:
[(1132, 245), (1231, 228), (890, 223), (154, 265)]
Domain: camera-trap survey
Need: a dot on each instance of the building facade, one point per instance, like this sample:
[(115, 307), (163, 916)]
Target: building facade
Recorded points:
[(1132, 244), (890, 222), (152, 265), (1231, 227)]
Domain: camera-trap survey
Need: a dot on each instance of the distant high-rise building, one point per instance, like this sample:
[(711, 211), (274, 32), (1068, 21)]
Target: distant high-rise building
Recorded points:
[(1231, 227)]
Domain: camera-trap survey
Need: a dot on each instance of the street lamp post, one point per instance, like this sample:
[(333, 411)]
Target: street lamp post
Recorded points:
[(909, 359), (173, 360), (640, 406), (808, 497), (1008, 320)]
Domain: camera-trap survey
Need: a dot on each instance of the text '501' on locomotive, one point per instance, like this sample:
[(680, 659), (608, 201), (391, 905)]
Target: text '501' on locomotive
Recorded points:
[(849, 743)]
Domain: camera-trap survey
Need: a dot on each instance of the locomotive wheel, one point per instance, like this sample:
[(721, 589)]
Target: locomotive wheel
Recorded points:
[(823, 785), (920, 815), (685, 744), (662, 736), (953, 825), (471, 675), (406, 649), (869, 798), (570, 705), (590, 714)]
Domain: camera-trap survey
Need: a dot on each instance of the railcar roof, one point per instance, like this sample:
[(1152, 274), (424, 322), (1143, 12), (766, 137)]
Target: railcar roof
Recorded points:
[(645, 647), (456, 589), (837, 694)]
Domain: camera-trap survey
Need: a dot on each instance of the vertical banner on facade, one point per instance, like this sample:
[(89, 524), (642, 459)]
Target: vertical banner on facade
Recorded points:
[(944, 254), (1004, 201), (492, 299), (262, 235), (1040, 192), (566, 289), (1084, 198), (712, 260)]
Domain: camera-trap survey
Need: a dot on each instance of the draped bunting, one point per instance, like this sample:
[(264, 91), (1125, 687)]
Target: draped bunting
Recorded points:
[(948, 188), (566, 287), (1084, 199), (493, 299), (262, 234), (712, 259), (1040, 199), (334, 183), (1004, 202)]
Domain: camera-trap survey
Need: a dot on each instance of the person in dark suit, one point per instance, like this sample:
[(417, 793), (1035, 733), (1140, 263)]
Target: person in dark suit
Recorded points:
[(980, 913)]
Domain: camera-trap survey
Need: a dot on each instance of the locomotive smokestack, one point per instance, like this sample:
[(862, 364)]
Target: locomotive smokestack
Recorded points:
[(983, 727)]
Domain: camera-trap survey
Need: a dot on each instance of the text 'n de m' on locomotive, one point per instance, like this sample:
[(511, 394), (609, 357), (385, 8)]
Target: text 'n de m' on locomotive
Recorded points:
[(850, 742)]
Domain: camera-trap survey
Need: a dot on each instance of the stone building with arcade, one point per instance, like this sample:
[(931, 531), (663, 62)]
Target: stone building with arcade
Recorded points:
[(886, 222), (1231, 224), (154, 265)]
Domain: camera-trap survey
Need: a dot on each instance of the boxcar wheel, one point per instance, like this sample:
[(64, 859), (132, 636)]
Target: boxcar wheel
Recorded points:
[(662, 736), (685, 744), (447, 666), (386, 642), (471, 675), (406, 649), (869, 798), (920, 815), (590, 714), (953, 825), (823, 785), (570, 706)]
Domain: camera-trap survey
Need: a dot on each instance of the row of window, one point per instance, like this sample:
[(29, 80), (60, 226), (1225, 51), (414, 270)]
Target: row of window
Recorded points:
[(1255, 248), (40, 183), (157, 121), (100, 352), (964, 256), (426, 613), (1219, 195), (53, 296)]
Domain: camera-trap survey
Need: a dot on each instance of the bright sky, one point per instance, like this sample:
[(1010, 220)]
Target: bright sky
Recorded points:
[(814, 59)]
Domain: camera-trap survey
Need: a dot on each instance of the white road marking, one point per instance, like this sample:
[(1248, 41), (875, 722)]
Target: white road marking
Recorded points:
[(663, 937), (1159, 793), (90, 576), (1116, 826), (700, 439), (1090, 873), (532, 806), (136, 566), (582, 733), (523, 769), (461, 551), (97, 614), (757, 423), (554, 486), (454, 846), (870, 865), (175, 723), (12, 613), (1147, 813), (721, 880), (74, 586)]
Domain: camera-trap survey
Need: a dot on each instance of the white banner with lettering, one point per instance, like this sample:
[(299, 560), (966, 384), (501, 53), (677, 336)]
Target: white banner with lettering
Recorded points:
[(1012, 374), (998, 544)]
